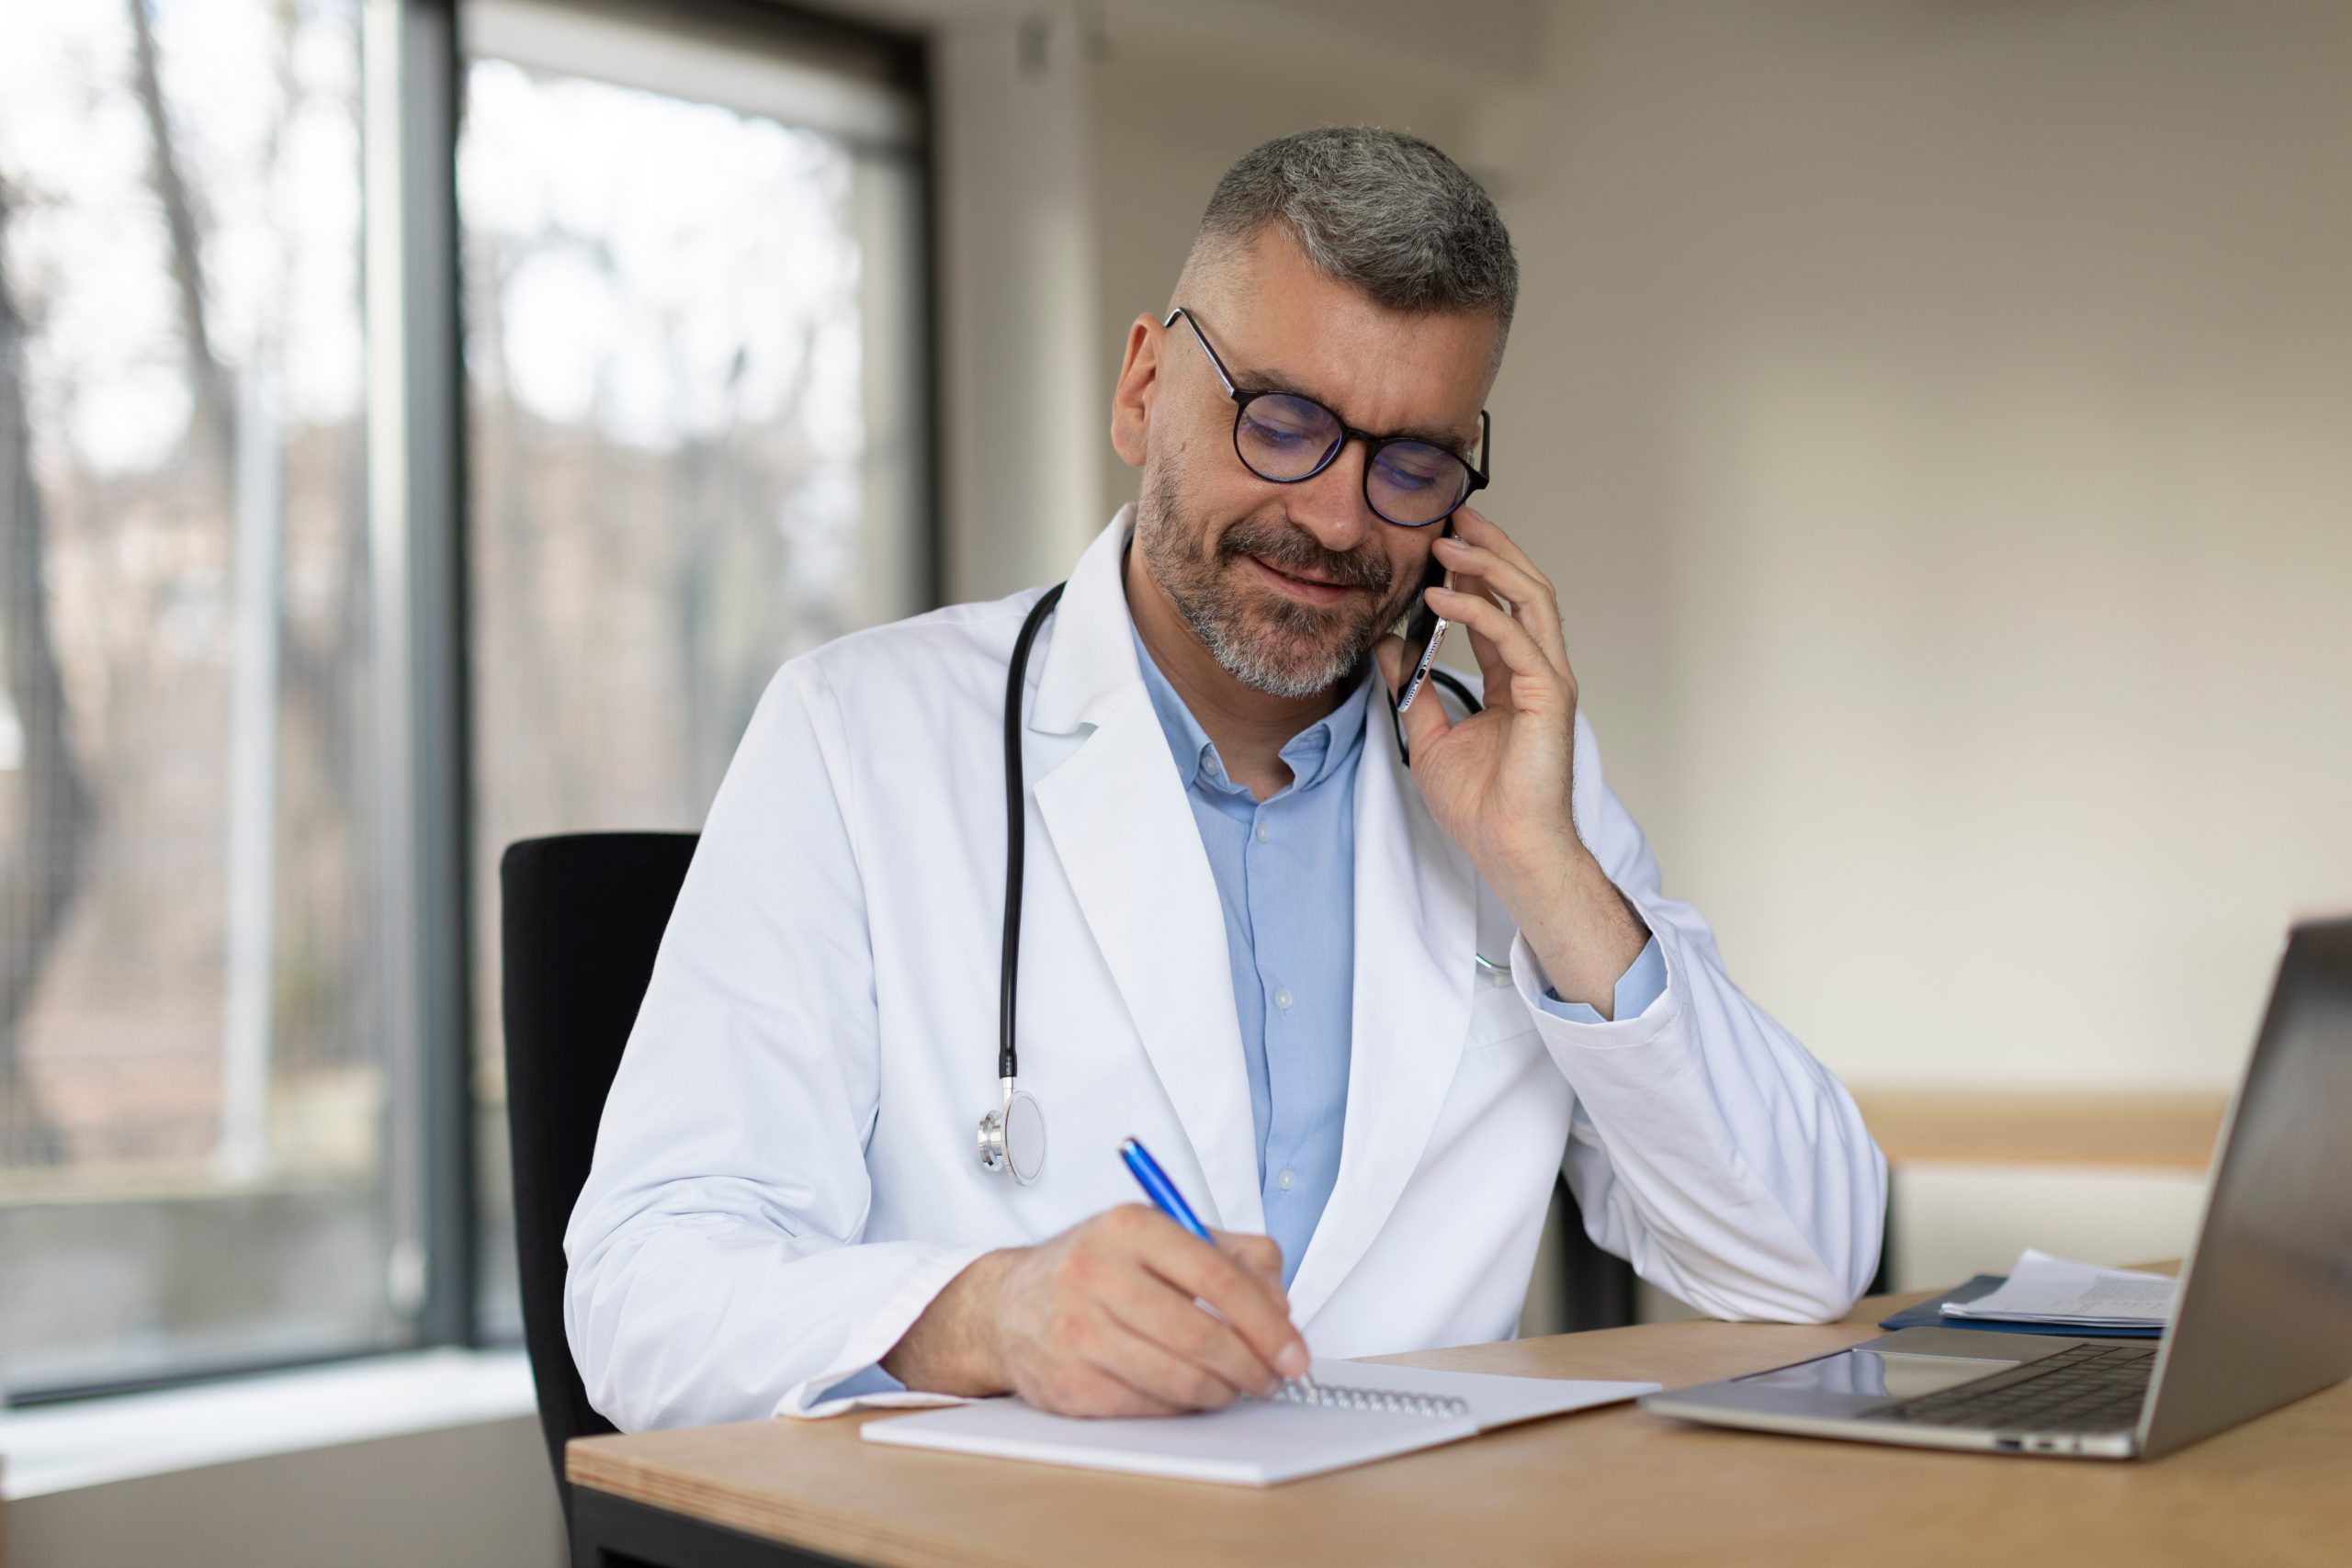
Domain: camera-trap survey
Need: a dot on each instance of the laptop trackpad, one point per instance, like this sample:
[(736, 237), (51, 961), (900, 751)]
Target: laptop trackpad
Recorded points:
[(1877, 1374)]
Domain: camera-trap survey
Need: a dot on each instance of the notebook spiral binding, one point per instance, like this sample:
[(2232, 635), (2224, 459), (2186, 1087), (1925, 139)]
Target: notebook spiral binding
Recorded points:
[(1346, 1396)]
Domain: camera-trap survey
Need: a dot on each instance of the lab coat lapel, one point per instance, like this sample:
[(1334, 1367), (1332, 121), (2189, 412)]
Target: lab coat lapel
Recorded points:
[(1415, 926), (1124, 834)]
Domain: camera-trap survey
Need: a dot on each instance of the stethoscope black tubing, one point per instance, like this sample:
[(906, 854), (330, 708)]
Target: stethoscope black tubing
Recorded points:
[(1015, 816), (1016, 812)]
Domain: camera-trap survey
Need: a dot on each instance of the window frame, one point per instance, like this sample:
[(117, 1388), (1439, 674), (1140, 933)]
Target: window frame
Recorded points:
[(413, 65)]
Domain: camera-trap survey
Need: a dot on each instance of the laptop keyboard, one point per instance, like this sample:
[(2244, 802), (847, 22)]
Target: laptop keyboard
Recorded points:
[(2095, 1388)]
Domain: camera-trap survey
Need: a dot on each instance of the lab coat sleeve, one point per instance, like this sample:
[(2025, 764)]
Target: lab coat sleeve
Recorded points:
[(1707, 1147), (717, 1267)]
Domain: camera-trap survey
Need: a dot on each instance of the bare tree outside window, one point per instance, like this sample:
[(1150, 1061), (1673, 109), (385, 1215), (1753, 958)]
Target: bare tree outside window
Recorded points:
[(40, 869), (191, 1061)]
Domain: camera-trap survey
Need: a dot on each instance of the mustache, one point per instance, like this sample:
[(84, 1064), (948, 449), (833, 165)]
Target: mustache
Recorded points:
[(1293, 550)]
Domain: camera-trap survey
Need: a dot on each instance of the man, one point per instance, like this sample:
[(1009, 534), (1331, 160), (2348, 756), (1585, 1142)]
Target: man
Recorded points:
[(1362, 1012)]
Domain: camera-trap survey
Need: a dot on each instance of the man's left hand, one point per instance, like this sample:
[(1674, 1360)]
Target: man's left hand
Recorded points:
[(1500, 782)]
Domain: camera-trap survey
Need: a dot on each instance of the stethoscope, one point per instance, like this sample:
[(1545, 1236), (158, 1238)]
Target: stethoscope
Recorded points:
[(1012, 1137)]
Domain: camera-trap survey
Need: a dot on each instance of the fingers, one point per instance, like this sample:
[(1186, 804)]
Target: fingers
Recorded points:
[(1516, 648), (1128, 1315), (1535, 604), (1474, 528), (1087, 1388), (1172, 1378), (1251, 1303), (1200, 1340), (1494, 670), (1262, 1255), (1197, 1360)]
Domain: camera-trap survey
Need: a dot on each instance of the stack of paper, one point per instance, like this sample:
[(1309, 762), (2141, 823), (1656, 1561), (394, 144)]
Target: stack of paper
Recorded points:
[(2042, 1289)]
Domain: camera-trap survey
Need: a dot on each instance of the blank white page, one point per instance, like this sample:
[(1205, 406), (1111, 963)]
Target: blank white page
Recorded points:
[(1250, 1443)]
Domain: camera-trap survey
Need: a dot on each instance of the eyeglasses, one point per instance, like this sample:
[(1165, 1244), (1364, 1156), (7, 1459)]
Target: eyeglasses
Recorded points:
[(1286, 439)]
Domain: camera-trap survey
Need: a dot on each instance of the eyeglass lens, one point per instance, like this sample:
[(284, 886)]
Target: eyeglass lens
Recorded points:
[(1286, 439)]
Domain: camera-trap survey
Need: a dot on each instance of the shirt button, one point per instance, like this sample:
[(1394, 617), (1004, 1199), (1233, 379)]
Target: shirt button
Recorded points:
[(1286, 1180), (1262, 834), (1281, 1000)]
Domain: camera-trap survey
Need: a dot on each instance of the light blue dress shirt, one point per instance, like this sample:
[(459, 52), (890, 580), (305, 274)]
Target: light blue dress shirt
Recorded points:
[(1285, 872), (1285, 878)]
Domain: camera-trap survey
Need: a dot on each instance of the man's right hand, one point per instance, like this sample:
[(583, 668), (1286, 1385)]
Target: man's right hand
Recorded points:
[(1107, 1319)]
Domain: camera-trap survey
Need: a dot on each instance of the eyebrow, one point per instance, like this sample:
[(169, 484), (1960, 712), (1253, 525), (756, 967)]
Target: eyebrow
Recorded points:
[(1250, 378)]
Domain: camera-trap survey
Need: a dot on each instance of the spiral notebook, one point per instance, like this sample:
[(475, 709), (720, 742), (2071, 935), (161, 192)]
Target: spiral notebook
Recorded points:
[(1353, 1413)]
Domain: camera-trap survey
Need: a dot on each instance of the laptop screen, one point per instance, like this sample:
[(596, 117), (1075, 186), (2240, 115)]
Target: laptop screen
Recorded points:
[(2264, 1313)]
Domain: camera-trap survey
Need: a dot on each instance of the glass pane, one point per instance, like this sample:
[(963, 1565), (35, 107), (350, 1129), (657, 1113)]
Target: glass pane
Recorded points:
[(693, 358), (191, 1061)]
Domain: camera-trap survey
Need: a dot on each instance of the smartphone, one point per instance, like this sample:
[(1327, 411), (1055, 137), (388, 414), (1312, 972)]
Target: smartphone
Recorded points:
[(1424, 629)]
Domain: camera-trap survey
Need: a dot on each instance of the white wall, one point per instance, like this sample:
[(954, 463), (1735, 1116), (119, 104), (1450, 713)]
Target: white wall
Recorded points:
[(1936, 417), (1947, 464), (1016, 268)]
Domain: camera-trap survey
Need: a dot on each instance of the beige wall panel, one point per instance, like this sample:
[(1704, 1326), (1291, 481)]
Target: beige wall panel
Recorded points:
[(1936, 417)]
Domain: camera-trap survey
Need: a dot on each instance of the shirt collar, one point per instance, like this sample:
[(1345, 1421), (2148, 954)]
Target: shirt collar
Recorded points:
[(1314, 754)]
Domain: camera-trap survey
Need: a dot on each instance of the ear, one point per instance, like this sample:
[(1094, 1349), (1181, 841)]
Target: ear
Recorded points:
[(1131, 399)]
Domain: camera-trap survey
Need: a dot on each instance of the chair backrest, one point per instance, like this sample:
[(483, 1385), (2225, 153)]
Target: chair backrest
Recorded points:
[(582, 920)]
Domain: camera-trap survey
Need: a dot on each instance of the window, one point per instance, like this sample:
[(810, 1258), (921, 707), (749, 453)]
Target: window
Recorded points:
[(692, 267), (695, 390), (192, 1053)]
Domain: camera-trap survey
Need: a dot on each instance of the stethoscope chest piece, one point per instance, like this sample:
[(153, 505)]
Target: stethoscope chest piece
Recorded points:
[(1012, 1137)]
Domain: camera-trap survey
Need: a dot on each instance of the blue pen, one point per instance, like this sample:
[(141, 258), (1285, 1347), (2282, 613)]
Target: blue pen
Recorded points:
[(1171, 1202), (1162, 1190)]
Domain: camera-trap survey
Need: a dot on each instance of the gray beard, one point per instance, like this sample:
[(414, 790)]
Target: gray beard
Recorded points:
[(1289, 651)]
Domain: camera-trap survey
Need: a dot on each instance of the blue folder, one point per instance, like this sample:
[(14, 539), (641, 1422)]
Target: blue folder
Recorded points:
[(1929, 1314)]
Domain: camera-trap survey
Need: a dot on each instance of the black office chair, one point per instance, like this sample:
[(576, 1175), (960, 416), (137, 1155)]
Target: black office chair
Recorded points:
[(583, 916), (1600, 1285)]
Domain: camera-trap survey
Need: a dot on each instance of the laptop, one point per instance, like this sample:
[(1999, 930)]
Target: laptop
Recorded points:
[(2263, 1315)]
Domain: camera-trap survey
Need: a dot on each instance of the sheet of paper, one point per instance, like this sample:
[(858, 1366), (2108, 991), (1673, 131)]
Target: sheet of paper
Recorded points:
[(1252, 1443), (1247, 1444), (2043, 1289)]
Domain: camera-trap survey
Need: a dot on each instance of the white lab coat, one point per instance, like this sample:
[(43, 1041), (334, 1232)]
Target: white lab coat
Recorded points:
[(786, 1174)]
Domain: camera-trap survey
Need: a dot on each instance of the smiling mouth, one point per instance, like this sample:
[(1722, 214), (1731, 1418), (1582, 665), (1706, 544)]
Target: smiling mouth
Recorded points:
[(1309, 590)]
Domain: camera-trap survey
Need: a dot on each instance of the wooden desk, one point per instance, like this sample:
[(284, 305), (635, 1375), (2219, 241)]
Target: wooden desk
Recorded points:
[(1609, 1486)]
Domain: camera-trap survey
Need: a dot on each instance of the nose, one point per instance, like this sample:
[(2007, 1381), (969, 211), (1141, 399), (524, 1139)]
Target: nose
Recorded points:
[(1331, 505)]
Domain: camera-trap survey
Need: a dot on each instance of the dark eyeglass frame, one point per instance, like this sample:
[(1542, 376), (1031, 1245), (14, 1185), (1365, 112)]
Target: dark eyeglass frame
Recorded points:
[(1374, 445)]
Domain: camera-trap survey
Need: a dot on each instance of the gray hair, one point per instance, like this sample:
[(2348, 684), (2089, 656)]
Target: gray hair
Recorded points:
[(1381, 210)]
